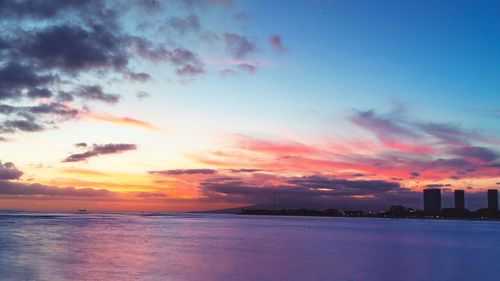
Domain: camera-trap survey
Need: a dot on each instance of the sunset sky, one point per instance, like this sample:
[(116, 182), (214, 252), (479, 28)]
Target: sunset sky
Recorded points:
[(186, 105)]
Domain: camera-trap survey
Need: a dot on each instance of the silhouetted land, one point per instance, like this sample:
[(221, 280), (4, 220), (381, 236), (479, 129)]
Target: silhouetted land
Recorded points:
[(396, 211)]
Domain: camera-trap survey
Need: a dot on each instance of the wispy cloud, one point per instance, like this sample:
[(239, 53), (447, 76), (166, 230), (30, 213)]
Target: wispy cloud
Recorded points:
[(100, 149), (126, 121)]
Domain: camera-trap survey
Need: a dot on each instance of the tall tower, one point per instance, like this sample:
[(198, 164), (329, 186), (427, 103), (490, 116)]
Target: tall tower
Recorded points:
[(493, 199), (459, 199), (432, 200)]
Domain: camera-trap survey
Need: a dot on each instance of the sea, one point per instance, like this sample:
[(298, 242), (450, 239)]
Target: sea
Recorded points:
[(218, 247)]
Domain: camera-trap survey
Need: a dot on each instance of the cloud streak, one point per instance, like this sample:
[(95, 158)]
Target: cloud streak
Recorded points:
[(100, 149), (126, 121)]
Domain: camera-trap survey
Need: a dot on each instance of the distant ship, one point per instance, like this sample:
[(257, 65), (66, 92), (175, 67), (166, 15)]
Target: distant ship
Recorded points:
[(82, 210)]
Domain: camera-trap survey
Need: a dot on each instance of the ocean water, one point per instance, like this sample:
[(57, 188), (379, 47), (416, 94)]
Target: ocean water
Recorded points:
[(231, 247)]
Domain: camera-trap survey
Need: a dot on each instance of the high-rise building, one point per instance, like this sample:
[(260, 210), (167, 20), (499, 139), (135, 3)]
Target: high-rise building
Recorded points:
[(459, 200), (493, 199), (432, 200)]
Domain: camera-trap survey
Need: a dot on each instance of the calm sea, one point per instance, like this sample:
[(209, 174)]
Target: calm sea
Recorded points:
[(230, 247)]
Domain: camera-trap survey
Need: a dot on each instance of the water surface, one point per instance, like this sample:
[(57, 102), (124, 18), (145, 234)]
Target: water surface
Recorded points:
[(230, 247)]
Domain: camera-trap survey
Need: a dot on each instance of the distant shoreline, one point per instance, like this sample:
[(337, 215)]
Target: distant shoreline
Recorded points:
[(395, 212)]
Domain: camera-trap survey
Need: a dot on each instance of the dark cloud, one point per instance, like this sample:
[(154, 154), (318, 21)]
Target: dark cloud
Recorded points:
[(415, 174), (15, 77), (475, 152), (245, 170), (64, 96), (49, 49), (101, 149), (8, 171), (95, 92), (448, 133), (204, 3), (315, 191), (184, 25), (189, 70), (238, 46), (181, 56), (439, 185), (248, 68), (34, 118), (18, 9), (383, 127), (40, 93), (20, 189), (187, 63), (276, 43), (26, 125), (178, 172), (74, 49), (347, 187), (81, 144), (140, 77)]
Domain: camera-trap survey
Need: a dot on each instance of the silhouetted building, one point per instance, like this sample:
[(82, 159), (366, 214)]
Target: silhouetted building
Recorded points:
[(493, 199), (459, 200), (432, 200)]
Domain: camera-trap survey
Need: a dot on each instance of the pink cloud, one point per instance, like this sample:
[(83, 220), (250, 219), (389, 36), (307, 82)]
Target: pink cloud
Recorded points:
[(277, 44)]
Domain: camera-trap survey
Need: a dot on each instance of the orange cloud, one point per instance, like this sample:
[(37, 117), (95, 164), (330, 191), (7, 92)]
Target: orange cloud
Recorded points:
[(126, 121)]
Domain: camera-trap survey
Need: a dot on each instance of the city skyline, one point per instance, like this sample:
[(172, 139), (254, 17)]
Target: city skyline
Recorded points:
[(214, 104)]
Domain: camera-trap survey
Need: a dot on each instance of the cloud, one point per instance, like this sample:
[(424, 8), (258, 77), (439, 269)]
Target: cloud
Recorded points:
[(73, 48), (128, 121), (38, 9), (279, 147), (228, 73), (15, 77), (8, 171), (24, 189), (248, 68), (95, 92), (245, 170), (438, 185), (81, 144), (383, 127), (238, 46), (102, 149), (178, 172), (475, 152), (425, 156), (34, 118), (277, 44), (51, 49), (392, 133), (449, 134), (184, 25), (141, 95), (204, 3), (311, 191), (189, 70)]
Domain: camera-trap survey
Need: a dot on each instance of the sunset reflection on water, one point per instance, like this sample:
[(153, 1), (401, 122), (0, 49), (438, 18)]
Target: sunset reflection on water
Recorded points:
[(228, 247)]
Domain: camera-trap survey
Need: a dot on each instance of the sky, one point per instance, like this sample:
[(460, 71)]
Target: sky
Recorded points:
[(185, 105)]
